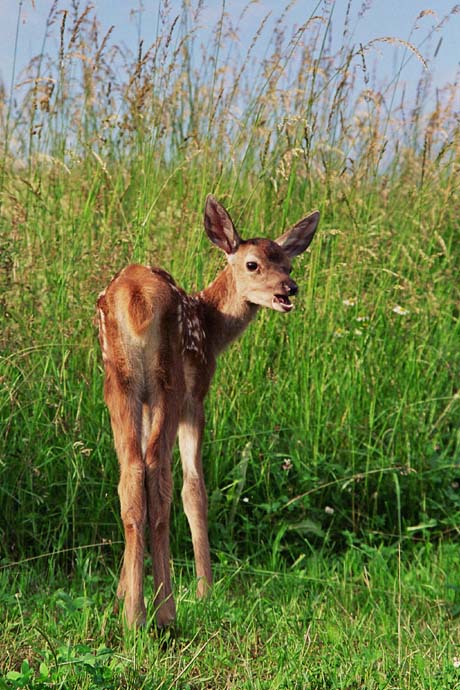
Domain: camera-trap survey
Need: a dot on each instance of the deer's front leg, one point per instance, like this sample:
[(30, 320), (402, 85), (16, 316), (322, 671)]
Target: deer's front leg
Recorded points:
[(194, 494)]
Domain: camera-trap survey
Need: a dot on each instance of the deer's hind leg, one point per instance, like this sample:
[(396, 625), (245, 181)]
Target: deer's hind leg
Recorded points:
[(126, 420), (162, 421)]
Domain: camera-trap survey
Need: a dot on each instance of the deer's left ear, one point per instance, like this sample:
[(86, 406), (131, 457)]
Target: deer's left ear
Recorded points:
[(219, 226), (295, 240)]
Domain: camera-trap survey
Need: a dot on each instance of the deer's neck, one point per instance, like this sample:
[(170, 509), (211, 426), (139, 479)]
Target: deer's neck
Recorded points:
[(226, 313)]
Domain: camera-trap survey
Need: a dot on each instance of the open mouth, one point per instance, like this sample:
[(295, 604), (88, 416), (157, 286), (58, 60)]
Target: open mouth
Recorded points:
[(282, 303)]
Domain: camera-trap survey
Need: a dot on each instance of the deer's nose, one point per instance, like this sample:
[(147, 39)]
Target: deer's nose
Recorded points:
[(291, 287)]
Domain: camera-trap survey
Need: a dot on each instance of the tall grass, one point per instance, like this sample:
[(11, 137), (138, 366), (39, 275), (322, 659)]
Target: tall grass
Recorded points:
[(337, 424)]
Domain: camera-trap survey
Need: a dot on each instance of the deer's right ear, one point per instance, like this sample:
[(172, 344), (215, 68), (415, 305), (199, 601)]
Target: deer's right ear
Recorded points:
[(219, 227), (296, 239)]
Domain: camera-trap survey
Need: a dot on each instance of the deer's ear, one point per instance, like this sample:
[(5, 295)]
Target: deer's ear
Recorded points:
[(219, 227), (295, 240)]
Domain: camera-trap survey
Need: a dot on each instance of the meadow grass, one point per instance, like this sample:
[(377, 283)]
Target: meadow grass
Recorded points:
[(332, 431), (367, 619)]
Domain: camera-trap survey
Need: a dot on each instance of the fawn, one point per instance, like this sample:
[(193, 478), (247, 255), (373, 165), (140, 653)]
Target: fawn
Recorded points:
[(159, 348)]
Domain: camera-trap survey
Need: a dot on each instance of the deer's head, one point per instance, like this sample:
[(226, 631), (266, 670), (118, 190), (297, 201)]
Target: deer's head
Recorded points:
[(261, 268)]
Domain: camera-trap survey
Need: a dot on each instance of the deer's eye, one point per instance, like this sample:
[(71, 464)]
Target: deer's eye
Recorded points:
[(251, 266)]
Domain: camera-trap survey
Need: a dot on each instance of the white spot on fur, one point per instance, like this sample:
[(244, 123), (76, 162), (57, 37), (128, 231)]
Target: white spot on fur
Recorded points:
[(103, 332), (191, 327)]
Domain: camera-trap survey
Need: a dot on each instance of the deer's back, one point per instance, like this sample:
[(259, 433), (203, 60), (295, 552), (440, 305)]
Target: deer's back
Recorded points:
[(150, 330), (138, 324)]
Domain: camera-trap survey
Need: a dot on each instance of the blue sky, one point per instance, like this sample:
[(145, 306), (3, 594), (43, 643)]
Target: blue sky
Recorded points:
[(383, 18)]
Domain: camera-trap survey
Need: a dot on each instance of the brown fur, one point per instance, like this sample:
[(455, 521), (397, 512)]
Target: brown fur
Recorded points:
[(159, 348)]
